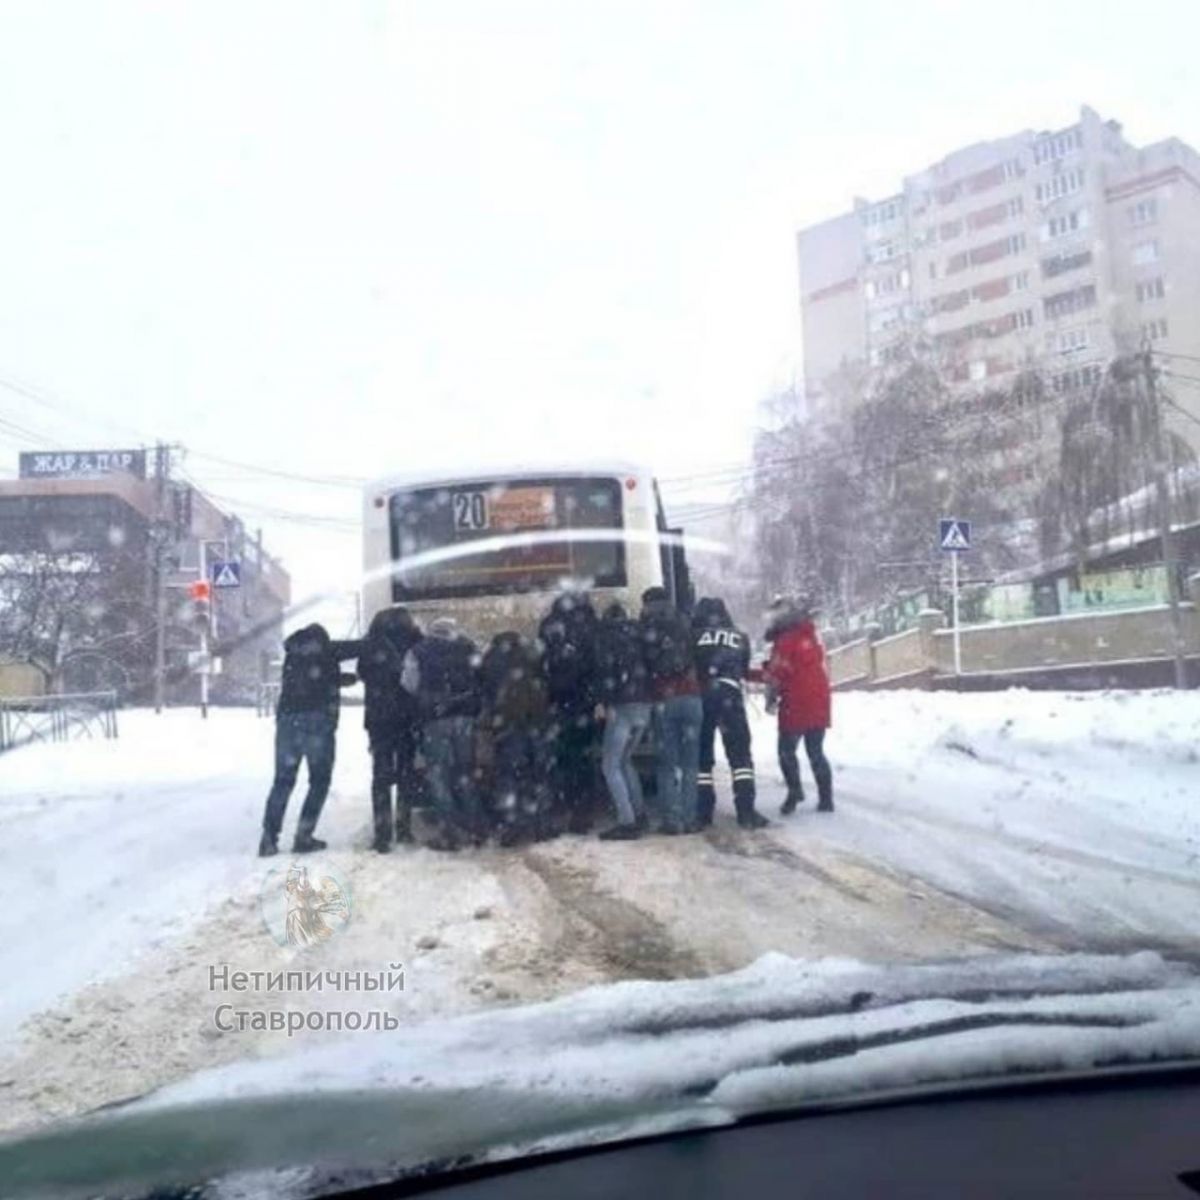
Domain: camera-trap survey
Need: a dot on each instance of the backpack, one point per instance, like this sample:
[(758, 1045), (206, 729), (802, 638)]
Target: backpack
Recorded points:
[(517, 687), (569, 641), (668, 643)]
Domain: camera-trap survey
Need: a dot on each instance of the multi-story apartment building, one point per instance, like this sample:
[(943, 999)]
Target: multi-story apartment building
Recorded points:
[(1053, 250)]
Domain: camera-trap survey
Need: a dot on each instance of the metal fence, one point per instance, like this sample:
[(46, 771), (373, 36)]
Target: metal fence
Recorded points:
[(266, 699), (25, 719)]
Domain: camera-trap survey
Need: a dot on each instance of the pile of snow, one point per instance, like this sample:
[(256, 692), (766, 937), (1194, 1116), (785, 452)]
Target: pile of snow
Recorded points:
[(650, 1057), (651, 1040)]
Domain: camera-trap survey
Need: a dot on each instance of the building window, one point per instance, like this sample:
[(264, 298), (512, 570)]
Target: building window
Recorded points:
[(1065, 224), (1077, 379), (1065, 184), (1016, 206), (1016, 243), (1012, 168), (1151, 289), (1058, 145), (951, 301), (1020, 281), (887, 285), (1064, 303), (883, 213), (1062, 263), (1153, 331), (889, 250), (1023, 318), (1068, 341), (1145, 252), (1144, 212)]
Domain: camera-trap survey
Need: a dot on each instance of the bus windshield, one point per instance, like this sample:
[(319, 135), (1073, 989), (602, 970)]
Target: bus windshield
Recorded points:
[(455, 515)]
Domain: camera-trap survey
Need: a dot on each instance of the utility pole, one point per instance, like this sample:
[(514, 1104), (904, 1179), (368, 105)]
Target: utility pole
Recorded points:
[(204, 634), (1162, 487), (161, 469)]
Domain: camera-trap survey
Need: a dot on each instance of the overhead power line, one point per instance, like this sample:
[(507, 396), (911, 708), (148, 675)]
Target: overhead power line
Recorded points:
[(27, 434), (1191, 416), (1175, 354), (338, 481), (274, 512), (56, 405)]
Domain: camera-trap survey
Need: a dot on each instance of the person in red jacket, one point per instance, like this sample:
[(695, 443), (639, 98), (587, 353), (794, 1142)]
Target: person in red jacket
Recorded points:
[(798, 683)]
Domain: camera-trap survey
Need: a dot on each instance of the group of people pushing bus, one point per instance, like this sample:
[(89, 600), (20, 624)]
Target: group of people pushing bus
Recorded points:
[(513, 742)]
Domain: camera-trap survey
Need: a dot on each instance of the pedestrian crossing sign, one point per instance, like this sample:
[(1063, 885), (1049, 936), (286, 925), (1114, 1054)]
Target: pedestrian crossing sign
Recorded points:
[(954, 535), (227, 574)]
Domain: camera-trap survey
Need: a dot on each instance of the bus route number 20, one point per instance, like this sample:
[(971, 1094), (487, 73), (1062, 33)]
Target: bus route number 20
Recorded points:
[(470, 511)]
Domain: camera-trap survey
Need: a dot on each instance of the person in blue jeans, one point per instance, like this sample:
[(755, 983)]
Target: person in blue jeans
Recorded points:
[(441, 672), (678, 711), (306, 721), (623, 688)]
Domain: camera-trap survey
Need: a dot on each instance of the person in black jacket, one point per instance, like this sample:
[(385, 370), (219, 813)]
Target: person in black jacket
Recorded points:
[(306, 728), (722, 654), (516, 710), (440, 671), (623, 687), (391, 723), (568, 636)]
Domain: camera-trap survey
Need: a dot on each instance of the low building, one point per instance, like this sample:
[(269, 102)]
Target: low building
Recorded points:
[(95, 510)]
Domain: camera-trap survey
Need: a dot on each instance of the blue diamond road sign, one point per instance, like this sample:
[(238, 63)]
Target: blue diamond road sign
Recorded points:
[(225, 574), (954, 535)]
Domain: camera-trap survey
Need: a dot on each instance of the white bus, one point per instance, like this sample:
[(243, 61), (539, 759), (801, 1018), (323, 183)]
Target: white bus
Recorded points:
[(491, 548)]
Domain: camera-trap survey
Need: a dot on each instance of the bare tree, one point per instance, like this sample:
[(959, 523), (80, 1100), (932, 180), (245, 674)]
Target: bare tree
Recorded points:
[(60, 611), (847, 506)]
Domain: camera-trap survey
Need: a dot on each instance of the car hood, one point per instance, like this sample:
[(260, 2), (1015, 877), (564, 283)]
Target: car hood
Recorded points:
[(616, 1062)]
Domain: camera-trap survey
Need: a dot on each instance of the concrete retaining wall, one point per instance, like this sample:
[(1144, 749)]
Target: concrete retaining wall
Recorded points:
[(1132, 648)]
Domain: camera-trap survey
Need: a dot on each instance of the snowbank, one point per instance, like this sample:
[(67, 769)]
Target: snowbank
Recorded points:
[(644, 1057), (114, 847)]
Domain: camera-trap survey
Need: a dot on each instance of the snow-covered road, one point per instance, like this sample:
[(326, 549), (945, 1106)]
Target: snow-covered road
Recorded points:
[(1075, 815), (966, 825)]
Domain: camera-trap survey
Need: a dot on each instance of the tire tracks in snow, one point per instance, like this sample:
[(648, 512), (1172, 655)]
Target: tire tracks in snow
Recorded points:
[(982, 924), (616, 936), (764, 847), (1021, 842), (1063, 935)]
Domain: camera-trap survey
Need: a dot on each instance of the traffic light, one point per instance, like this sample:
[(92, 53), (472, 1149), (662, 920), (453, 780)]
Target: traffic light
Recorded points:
[(201, 595)]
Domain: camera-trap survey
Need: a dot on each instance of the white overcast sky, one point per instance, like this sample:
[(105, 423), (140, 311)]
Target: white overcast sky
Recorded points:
[(345, 238)]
